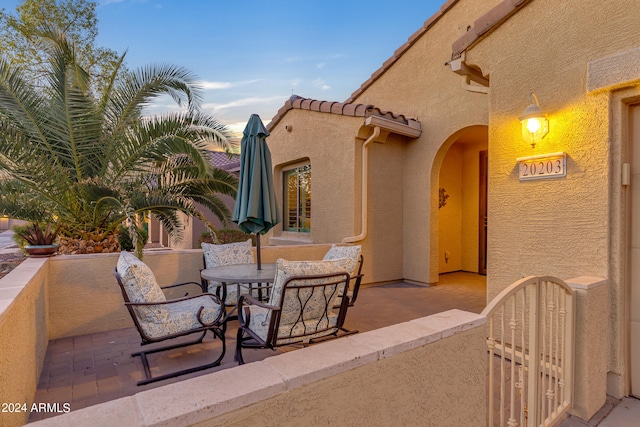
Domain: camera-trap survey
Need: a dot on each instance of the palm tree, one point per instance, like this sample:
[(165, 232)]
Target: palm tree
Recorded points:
[(88, 162)]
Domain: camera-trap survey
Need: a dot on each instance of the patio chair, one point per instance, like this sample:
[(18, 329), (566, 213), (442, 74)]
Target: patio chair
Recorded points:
[(354, 268), (300, 308), (227, 254), (158, 319)]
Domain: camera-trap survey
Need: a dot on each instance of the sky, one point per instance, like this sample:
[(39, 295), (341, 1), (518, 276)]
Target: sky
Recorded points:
[(251, 56)]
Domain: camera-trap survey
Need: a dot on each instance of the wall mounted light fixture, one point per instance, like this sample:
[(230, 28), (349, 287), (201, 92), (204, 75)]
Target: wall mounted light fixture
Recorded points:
[(535, 125)]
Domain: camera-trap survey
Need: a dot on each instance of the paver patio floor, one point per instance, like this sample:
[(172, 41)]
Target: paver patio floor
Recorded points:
[(90, 369)]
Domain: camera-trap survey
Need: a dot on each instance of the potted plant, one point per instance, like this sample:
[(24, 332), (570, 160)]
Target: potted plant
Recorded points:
[(39, 243)]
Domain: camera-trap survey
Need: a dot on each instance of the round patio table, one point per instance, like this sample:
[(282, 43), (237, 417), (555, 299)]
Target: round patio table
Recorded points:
[(241, 274)]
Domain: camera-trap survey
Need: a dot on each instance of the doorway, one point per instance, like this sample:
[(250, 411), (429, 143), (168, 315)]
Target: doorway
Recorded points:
[(462, 202), (634, 250), (483, 211)]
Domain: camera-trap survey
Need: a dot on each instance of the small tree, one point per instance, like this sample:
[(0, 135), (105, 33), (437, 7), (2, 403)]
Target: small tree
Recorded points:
[(21, 45), (90, 163)]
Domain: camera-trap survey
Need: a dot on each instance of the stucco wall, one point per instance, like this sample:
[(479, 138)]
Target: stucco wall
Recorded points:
[(422, 387), (450, 215), (420, 85), (545, 226), (560, 226), (381, 248), (330, 147), (458, 220), (23, 337), (333, 146), (84, 297), (68, 295)]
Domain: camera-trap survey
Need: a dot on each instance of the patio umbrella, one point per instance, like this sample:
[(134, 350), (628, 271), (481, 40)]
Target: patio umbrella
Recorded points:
[(256, 209)]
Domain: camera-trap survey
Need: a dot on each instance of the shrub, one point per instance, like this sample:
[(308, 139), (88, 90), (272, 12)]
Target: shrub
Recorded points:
[(34, 234), (126, 244)]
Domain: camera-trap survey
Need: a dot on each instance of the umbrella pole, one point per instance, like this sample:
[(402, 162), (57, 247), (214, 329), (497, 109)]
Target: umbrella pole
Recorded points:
[(258, 251)]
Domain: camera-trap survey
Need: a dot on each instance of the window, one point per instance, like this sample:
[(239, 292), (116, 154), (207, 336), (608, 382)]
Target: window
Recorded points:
[(297, 199)]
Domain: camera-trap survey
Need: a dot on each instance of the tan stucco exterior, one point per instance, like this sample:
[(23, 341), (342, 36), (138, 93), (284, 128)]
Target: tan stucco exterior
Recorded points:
[(401, 195), (582, 61), (565, 227), (23, 336)]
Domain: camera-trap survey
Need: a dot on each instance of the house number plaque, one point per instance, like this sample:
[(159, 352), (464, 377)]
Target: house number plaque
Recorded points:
[(543, 166)]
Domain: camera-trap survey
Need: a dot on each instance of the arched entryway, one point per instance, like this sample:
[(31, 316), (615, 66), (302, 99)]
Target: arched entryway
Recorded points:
[(460, 171)]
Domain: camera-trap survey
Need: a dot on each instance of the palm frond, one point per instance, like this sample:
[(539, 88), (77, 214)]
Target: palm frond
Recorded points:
[(140, 88), (91, 163)]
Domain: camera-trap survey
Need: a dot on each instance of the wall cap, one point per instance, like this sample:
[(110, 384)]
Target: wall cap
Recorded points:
[(586, 282)]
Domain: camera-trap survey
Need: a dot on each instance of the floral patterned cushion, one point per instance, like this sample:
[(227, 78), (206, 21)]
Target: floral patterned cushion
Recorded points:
[(352, 253), (183, 316), (227, 254), (314, 302), (232, 292), (141, 286), (230, 253), (260, 317)]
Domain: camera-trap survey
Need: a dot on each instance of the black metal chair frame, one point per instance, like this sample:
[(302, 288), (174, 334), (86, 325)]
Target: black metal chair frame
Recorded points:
[(247, 338), (358, 279), (216, 327)]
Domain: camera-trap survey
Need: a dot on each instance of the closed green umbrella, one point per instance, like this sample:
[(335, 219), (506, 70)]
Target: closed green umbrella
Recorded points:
[(256, 209)]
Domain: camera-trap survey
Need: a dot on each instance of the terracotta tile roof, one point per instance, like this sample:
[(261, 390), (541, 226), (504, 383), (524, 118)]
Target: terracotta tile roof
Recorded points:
[(402, 49), (221, 160), (341, 108)]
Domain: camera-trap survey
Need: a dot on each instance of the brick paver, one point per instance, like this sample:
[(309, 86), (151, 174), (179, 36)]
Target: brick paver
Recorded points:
[(90, 369)]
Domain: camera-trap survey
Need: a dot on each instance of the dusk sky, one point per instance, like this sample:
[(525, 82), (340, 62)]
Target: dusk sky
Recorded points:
[(252, 55)]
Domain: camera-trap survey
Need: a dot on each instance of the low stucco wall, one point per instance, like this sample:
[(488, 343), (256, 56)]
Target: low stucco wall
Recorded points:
[(84, 297), (23, 337), (429, 372), (416, 372), (48, 298)]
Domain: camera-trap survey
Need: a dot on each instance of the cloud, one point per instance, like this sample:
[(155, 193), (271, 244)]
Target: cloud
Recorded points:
[(207, 85), (319, 83), (244, 102), (321, 65)]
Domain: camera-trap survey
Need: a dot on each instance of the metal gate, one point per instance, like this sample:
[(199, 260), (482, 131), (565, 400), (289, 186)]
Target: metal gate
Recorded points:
[(530, 337)]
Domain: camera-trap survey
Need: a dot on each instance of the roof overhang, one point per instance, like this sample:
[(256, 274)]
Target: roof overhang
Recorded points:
[(412, 129)]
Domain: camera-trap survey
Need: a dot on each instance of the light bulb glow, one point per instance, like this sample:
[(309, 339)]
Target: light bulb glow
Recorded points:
[(533, 125)]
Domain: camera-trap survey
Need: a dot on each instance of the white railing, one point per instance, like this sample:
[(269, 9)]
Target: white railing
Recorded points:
[(530, 335)]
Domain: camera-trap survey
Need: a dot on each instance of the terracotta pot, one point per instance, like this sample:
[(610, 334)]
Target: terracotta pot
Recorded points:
[(38, 251)]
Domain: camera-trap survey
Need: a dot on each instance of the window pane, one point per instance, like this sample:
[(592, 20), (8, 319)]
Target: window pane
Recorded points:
[(297, 199)]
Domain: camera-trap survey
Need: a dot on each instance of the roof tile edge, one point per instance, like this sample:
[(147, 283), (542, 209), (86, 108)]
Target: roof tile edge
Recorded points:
[(345, 109)]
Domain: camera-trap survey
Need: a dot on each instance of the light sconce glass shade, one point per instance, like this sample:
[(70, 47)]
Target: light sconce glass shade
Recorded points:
[(535, 125)]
